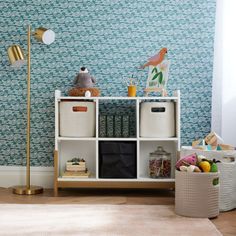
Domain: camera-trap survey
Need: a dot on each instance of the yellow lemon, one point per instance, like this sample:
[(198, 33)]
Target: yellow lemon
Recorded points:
[(205, 166)]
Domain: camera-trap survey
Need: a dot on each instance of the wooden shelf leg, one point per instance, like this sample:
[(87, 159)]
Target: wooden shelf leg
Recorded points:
[(55, 173)]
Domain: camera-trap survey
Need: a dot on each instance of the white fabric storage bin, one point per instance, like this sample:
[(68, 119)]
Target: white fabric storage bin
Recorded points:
[(227, 174), (77, 119), (227, 185), (195, 194), (157, 119)]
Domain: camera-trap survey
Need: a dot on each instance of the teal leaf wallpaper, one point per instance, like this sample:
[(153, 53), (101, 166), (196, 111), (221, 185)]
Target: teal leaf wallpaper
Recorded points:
[(112, 38)]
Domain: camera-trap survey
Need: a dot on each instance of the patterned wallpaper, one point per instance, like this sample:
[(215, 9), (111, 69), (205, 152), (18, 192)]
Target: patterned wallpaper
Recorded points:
[(112, 38)]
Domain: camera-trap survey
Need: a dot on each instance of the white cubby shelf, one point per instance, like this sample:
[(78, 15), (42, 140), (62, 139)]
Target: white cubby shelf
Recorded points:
[(67, 148)]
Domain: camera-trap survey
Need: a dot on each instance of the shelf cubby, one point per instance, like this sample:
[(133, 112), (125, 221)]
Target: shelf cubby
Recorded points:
[(146, 147), (117, 118), (85, 149), (117, 159)]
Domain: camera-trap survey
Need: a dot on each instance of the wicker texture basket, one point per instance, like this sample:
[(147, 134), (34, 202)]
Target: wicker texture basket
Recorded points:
[(195, 194), (227, 186), (227, 175)]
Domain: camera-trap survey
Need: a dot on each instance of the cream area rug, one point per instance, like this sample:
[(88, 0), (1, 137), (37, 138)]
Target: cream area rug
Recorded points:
[(99, 220)]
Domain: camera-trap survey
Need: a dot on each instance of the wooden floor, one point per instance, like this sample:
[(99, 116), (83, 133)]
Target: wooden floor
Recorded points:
[(225, 222)]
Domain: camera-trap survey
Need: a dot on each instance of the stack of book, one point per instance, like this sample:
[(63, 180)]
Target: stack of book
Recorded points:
[(76, 168), (75, 174)]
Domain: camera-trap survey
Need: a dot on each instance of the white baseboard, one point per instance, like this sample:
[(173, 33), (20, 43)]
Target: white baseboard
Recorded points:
[(15, 175)]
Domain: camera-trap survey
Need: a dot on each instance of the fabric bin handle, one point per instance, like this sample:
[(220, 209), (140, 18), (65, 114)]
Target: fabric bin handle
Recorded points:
[(79, 109), (158, 109)]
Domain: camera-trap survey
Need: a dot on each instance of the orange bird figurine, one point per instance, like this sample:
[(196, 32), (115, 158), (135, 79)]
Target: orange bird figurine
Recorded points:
[(156, 59)]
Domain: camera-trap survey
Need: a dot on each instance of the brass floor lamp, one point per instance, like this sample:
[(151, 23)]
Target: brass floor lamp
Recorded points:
[(16, 58)]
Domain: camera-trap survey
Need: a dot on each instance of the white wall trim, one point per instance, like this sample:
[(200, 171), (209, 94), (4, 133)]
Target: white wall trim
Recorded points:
[(216, 117), (15, 175)]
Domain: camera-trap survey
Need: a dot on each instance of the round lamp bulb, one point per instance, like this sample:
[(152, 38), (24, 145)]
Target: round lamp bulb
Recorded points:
[(48, 37), (18, 63), (16, 56)]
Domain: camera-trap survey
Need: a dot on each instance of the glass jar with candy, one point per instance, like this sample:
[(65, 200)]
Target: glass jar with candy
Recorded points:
[(159, 163)]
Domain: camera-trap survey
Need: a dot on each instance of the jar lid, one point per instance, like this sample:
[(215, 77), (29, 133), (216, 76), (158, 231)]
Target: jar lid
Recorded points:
[(160, 152)]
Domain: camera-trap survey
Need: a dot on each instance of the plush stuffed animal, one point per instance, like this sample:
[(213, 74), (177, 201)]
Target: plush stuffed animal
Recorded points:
[(190, 168), (84, 79), (84, 83), (187, 161)]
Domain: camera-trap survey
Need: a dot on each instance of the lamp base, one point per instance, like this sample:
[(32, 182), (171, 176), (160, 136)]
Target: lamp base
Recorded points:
[(23, 190)]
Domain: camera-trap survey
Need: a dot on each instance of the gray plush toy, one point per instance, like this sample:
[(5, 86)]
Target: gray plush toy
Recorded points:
[(84, 79)]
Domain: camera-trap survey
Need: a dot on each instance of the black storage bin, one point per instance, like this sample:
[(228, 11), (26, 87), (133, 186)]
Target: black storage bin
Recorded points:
[(117, 159)]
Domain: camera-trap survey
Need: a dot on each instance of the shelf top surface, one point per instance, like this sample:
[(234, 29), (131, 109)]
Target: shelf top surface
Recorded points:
[(116, 98), (176, 96), (117, 139)]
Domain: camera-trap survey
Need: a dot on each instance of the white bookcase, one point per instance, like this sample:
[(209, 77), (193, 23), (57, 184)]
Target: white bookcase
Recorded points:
[(69, 147)]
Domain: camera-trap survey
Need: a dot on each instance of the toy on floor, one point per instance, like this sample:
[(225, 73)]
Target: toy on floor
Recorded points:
[(190, 168), (84, 83), (205, 166), (187, 161), (196, 163), (211, 142)]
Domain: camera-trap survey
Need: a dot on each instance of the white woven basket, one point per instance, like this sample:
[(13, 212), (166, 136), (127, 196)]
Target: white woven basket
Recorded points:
[(227, 175), (195, 194)]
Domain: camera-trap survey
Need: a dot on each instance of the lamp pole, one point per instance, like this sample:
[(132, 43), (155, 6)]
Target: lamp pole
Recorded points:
[(28, 112)]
